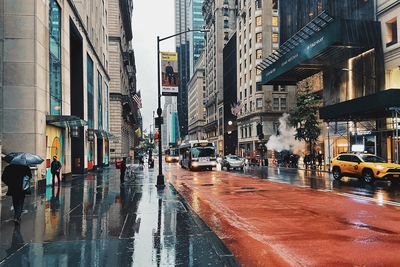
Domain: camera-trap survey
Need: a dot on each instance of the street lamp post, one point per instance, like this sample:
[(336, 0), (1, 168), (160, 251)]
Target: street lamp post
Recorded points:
[(160, 178)]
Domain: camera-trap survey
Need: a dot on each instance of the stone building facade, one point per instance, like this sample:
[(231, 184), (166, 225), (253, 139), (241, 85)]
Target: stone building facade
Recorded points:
[(124, 112), (50, 47), (196, 96), (220, 19), (258, 36)]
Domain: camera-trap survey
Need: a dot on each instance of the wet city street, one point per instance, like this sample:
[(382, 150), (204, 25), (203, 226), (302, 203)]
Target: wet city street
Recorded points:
[(381, 191), (294, 218), (92, 221)]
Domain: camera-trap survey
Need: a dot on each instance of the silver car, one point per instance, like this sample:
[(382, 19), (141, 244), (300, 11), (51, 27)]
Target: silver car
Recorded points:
[(232, 161)]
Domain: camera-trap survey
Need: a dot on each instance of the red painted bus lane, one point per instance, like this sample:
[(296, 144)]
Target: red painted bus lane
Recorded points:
[(272, 224)]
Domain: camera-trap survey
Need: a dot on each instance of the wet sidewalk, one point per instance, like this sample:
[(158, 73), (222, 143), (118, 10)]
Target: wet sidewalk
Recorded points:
[(93, 221)]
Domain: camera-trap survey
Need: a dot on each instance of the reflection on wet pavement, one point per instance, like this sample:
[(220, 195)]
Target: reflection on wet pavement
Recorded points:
[(93, 221), (381, 191)]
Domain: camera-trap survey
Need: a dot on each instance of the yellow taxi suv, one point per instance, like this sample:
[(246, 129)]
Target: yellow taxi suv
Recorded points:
[(365, 166)]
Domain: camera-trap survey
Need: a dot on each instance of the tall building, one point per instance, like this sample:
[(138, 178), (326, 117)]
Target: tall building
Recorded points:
[(335, 48), (196, 96), (220, 19), (124, 112), (230, 98), (170, 127), (188, 15), (183, 50), (54, 88), (196, 39), (258, 36)]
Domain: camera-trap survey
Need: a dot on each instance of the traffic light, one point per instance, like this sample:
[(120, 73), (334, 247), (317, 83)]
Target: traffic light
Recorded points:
[(260, 133), (259, 129)]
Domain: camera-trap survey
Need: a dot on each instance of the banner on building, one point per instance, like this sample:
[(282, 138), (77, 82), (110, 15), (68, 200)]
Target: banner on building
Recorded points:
[(169, 73)]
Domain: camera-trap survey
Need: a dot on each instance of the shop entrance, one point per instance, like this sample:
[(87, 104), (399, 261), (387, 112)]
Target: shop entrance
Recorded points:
[(77, 108)]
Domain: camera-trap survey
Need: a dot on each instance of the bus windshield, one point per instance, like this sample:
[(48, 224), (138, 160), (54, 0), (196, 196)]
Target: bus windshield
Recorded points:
[(203, 152)]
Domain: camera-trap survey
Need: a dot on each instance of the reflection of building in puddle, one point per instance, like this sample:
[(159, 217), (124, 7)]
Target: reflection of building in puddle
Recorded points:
[(380, 197)]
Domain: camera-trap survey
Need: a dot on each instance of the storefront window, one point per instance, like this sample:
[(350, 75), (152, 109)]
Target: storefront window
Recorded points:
[(90, 92), (55, 58), (99, 100)]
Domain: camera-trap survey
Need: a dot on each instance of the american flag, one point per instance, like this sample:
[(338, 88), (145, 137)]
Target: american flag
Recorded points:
[(236, 108), (138, 100)]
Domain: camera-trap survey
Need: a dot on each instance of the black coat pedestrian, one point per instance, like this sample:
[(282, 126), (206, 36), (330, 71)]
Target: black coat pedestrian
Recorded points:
[(13, 176)]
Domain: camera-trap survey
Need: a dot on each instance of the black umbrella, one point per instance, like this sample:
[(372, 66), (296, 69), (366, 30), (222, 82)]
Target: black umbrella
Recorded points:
[(23, 158)]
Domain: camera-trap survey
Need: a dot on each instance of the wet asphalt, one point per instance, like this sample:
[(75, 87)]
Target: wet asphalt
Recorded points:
[(93, 221), (381, 191)]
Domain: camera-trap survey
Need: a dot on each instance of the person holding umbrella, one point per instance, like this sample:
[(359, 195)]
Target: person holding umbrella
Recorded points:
[(17, 177)]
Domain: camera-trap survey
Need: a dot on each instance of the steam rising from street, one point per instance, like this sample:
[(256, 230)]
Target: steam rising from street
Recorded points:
[(286, 138)]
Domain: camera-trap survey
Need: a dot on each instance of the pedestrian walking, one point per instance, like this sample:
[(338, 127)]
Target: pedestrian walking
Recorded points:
[(55, 169), (123, 170), (319, 159), (15, 177)]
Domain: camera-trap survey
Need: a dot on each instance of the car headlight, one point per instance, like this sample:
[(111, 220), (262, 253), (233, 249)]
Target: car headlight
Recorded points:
[(380, 167)]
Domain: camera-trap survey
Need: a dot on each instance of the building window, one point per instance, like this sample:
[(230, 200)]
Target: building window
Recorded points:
[(283, 103), (391, 32), (259, 53), (240, 95), (250, 56), (250, 76), (249, 12), (251, 107), (259, 102), (275, 38), (226, 24), (245, 109), (106, 122), (275, 88), (226, 12), (258, 87), (275, 103), (250, 135), (258, 4), (100, 101), (241, 132), (274, 4), (240, 26), (251, 88), (259, 37), (244, 34), (240, 67), (282, 88), (250, 44), (245, 93), (245, 48), (55, 58), (90, 92), (245, 132), (258, 21), (226, 36), (275, 21)]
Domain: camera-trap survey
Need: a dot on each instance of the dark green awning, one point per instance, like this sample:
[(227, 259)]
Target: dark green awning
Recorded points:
[(375, 106), (323, 42), (65, 121)]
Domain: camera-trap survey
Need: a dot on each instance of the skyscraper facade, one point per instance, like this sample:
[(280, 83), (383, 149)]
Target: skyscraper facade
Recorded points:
[(188, 15), (220, 19), (196, 39)]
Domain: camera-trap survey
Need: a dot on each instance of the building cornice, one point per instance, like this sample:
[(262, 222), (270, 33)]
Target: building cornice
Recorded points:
[(83, 29)]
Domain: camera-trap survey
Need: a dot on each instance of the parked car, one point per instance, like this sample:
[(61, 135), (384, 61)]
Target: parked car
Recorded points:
[(366, 166), (232, 161)]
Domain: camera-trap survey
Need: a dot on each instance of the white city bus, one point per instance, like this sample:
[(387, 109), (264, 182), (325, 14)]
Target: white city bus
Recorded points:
[(199, 154)]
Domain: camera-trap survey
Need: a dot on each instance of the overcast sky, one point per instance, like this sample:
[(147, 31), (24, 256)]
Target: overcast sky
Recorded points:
[(151, 18)]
